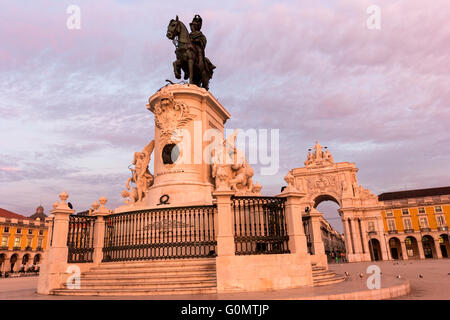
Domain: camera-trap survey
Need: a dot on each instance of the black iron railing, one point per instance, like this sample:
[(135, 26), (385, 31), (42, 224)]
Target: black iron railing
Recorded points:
[(80, 239), (170, 233), (260, 225)]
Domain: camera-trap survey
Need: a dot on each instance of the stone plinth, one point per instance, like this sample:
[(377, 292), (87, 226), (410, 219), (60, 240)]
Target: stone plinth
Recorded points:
[(184, 116)]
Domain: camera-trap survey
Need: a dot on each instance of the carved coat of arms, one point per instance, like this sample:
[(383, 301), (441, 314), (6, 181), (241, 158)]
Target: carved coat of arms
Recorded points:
[(171, 115)]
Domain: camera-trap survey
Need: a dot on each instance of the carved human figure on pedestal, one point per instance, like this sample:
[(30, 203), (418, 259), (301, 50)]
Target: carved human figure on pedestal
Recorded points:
[(140, 175), (319, 157), (230, 169)]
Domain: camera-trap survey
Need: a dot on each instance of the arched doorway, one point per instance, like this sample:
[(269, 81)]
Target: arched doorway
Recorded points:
[(25, 259), (395, 248), (429, 249), (375, 250), (444, 245), (412, 249), (36, 259), (13, 261)]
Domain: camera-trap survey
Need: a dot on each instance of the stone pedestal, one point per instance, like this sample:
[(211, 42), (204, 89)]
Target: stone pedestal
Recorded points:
[(187, 120), (52, 273)]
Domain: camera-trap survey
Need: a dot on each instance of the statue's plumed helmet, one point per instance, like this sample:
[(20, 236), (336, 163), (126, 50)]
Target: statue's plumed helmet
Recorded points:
[(197, 20)]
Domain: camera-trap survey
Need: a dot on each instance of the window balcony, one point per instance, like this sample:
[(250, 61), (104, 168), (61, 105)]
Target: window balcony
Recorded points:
[(425, 229), (442, 228), (39, 249), (372, 233), (409, 231), (392, 231), (28, 248), (4, 248), (16, 248)]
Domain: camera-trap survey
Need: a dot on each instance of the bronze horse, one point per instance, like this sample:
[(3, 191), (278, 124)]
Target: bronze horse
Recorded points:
[(189, 57)]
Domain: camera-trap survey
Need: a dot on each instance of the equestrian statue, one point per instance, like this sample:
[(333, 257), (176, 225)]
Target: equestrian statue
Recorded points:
[(190, 52)]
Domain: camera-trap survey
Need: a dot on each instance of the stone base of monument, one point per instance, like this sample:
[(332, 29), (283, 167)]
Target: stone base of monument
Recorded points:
[(183, 229)]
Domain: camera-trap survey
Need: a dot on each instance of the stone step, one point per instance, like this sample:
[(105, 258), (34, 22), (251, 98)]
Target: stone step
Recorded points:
[(324, 275), (157, 263), (159, 276), (152, 270), (327, 281), (134, 292), (149, 285), (150, 278), (318, 268)]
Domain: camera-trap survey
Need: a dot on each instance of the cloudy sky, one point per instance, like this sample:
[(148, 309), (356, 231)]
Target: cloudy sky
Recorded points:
[(72, 102)]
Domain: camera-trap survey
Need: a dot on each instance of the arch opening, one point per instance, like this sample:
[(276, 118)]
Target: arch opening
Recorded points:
[(331, 228), (395, 248)]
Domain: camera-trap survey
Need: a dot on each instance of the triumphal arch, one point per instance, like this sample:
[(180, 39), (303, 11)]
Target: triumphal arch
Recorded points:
[(322, 179)]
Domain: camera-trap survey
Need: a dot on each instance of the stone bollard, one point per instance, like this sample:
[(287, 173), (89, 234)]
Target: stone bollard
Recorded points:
[(99, 228), (53, 270)]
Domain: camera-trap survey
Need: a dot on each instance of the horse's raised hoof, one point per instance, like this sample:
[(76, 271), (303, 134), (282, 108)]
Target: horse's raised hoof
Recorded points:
[(177, 75), (186, 76)]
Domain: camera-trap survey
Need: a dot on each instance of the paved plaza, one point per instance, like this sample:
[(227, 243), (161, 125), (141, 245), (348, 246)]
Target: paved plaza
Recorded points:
[(434, 284)]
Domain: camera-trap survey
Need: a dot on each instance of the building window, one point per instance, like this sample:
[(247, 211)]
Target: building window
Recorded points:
[(407, 223), (40, 243), (391, 225), (4, 241), (30, 231), (405, 211), (389, 214), (423, 222), (440, 220), (371, 226), (17, 243), (421, 210), (41, 232), (6, 229), (19, 230), (29, 242), (437, 209)]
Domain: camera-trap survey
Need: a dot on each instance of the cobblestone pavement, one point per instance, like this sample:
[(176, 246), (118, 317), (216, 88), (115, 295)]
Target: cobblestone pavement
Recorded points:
[(434, 284)]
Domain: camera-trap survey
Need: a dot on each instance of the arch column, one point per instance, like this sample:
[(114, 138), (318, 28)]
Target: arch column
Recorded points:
[(404, 251), (347, 238), (356, 239), (437, 248), (420, 247)]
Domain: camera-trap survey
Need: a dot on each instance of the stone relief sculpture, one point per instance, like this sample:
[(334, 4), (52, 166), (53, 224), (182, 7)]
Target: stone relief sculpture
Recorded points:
[(140, 175), (290, 180), (230, 169), (319, 157), (171, 115)]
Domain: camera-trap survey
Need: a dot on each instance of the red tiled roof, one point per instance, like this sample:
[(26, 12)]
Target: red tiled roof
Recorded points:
[(8, 214), (414, 193)]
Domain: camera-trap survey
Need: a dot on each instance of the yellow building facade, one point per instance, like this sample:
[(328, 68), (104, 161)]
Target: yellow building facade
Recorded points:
[(416, 223), (23, 240)]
